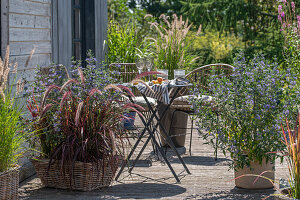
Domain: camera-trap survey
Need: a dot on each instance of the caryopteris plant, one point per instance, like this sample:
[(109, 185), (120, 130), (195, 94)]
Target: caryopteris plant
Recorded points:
[(11, 129)]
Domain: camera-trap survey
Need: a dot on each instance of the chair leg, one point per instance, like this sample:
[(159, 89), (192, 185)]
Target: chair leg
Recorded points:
[(216, 146), (190, 149)]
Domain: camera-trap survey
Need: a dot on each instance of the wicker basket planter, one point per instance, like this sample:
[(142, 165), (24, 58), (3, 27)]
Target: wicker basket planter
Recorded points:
[(85, 176), (9, 184)]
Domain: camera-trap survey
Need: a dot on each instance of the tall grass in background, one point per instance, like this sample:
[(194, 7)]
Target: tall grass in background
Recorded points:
[(11, 129), (123, 43), (171, 46)]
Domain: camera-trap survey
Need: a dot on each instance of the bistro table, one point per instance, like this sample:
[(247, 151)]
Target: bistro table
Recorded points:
[(160, 92)]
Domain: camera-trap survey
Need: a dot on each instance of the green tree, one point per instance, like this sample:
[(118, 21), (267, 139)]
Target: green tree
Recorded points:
[(253, 20)]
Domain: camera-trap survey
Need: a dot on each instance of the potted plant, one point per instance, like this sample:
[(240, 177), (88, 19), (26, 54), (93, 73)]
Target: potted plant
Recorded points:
[(244, 120), (78, 132), (12, 134)]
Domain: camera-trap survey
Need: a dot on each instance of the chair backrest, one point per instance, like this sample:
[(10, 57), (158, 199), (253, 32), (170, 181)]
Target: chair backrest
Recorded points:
[(127, 71), (200, 77)]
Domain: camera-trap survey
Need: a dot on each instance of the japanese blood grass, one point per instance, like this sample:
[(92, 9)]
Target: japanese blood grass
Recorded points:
[(292, 156)]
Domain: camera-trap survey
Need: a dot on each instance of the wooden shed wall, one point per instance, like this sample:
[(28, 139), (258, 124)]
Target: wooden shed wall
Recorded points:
[(29, 27)]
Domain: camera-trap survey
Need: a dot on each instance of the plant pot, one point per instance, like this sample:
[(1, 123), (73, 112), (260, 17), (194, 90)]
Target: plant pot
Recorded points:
[(175, 123), (9, 184), (129, 123), (282, 194), (246, 182), (84, 176)]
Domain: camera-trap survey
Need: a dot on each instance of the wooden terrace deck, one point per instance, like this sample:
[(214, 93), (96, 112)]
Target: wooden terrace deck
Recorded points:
[(210, 180)]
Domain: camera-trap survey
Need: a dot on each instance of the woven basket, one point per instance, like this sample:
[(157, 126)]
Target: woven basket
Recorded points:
[(9, 184), (85, 176)]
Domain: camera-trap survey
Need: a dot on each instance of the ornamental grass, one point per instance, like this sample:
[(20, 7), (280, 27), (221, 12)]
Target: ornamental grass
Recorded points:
[(12, 134), (76, 122), (292, 156), (171, 43)]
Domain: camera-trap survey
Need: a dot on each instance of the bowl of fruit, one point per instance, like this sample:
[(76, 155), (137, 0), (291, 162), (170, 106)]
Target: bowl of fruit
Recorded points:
[(159, 81)]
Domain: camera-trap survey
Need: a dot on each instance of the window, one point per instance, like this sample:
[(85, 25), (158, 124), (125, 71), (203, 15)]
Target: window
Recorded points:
[(77, 26), (83, 28)]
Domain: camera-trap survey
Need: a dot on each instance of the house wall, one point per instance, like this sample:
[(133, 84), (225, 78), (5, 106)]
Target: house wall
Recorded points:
[(29, 27)]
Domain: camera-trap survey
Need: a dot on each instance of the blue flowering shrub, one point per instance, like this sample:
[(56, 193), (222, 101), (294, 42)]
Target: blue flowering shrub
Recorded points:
[(249, 106)]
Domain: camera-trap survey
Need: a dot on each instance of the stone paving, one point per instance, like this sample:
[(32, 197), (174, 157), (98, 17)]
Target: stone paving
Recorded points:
[(151, 179)]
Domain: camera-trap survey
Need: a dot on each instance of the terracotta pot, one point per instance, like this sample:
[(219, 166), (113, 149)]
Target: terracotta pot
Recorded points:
[(282, 194), (246, 182)]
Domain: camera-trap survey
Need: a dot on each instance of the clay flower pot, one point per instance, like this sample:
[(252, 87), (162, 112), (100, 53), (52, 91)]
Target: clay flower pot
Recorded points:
[(246, 182)]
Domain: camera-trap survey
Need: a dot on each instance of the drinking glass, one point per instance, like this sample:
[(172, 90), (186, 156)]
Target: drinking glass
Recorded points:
[(179, 73), (165, 75), (140, 65), (149, 63)]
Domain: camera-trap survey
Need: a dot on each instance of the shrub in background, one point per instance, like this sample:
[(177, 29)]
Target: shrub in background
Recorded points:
[(213, 47), (290, 27)]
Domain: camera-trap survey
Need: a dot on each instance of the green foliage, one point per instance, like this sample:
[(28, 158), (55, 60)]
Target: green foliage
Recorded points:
[(213, 47), (157, 7), (255, 22), (123, 43), (252, 21), (11, 131), (121, 12)]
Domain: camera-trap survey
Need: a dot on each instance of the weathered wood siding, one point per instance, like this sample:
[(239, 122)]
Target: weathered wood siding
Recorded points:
[(30, 27)]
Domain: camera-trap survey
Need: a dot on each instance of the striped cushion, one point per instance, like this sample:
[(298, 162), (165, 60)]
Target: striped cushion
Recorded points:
[(185, 100), (141, 101)]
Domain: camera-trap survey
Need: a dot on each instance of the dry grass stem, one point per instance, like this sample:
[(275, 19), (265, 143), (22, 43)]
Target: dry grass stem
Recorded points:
[(29, 57)]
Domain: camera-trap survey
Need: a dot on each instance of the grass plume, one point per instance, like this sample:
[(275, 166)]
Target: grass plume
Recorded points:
[(171, 45)]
